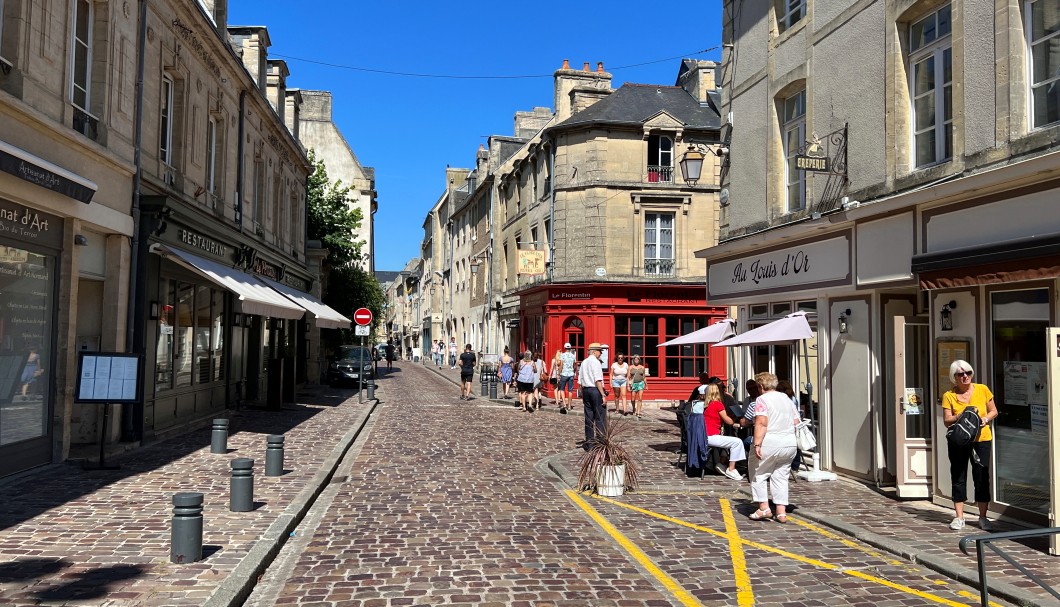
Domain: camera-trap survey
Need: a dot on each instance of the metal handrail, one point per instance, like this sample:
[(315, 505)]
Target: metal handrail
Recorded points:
[(988, 540)]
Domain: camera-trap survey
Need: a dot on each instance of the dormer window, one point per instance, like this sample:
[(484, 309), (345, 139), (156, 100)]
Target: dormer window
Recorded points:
[(660, 159)]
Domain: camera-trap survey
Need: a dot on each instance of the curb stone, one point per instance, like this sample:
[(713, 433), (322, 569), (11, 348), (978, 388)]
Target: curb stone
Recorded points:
[(236, 588)]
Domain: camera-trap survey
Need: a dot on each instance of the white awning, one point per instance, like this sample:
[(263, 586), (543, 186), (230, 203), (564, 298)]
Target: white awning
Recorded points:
[(326, 317), (792, 327), (707, 335), (255, 297)]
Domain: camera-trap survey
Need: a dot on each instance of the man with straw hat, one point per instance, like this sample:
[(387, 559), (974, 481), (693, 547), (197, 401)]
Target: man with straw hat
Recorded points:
[(591, 379)]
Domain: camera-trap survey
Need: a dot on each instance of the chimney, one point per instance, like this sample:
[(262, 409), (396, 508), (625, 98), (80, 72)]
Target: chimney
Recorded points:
[(527, 124), (217, 11), (276, 88), (316, 106), (590, 85), (293, 112), (697, 78), (252, 44)]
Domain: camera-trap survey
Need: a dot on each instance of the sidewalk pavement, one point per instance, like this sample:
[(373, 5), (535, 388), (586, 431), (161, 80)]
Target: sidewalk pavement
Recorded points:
[(917, 531), (75, 537)]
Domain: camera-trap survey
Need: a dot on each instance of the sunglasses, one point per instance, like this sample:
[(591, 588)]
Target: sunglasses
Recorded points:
[(963, 374)]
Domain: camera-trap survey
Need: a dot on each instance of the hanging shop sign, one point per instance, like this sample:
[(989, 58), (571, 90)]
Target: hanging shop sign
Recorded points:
[(812, 163), (531, 263)]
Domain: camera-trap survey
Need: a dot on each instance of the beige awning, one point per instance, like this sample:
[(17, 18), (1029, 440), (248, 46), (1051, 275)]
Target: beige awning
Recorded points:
[(255, 297), (326, 316)]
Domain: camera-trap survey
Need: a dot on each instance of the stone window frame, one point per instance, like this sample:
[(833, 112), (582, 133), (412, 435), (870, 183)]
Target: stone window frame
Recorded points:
[(663, 172), (788, 13), (797, 123), (82, 68), (1052, 81), (166, 117), (214, 137), (936, 51)]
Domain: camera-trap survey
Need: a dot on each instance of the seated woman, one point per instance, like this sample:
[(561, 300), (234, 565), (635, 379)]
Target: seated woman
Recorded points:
[(714, 416)]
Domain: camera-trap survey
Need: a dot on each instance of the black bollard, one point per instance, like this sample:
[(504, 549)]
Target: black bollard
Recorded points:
[(241, 489), (219, 436), (371, 389), (185, 535), (484, 386), (493, 386), (274, 455)]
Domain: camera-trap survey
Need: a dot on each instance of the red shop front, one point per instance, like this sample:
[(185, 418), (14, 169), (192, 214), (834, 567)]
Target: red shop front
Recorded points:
[(629, 319)]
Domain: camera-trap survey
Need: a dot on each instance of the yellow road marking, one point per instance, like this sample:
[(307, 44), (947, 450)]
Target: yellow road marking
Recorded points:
[(796, 557), (668, 582), (744, 594), (842, 540), (972, 595)]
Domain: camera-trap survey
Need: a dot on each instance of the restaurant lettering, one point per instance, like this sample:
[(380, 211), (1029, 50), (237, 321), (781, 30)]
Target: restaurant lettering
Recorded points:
[(202, 243), (796, 263)]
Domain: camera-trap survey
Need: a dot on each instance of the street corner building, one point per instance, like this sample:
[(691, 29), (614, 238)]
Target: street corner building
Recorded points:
[(166, 220), (908, 208)]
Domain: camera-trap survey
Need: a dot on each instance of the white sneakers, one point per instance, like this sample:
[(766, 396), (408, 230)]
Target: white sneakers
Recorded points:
[(734, 475), (957, 524), (984, 523)]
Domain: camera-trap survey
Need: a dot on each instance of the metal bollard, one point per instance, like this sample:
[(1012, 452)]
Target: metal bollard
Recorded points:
[(219, 436), (185, 535), (493, 387), (274, 455), (484, 386), (371, 389), (241, 489)]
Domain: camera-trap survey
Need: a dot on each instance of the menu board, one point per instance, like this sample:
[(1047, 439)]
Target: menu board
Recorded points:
[(105, 377)]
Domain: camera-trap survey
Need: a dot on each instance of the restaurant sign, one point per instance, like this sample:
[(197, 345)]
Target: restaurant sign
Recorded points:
[(824, 262)]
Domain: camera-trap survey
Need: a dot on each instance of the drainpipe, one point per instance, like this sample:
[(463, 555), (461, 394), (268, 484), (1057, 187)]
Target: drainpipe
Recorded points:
[(240, 169), (132, 416), (489, 277)]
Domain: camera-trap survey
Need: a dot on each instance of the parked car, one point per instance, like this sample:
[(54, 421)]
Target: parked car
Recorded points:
[(354, 364)]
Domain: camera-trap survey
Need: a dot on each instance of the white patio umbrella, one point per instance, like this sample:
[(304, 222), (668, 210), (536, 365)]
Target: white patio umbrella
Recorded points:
[(723, 329)]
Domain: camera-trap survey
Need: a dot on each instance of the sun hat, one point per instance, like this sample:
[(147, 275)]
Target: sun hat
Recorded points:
[(595, 346)]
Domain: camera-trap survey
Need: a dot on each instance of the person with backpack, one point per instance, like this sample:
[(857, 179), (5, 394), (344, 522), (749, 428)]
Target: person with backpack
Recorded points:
[(967, 411)]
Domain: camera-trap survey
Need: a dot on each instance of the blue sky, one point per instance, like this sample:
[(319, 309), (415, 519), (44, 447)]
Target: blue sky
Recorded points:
[(409, 128)]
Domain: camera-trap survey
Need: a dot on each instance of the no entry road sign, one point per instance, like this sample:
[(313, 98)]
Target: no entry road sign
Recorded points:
[(363, 316)]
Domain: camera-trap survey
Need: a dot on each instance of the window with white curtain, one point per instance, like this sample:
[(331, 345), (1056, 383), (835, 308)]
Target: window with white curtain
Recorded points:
[(659, 244), (165, 127), (1043, 37), (789, 12), (931, 87), (211, 155)]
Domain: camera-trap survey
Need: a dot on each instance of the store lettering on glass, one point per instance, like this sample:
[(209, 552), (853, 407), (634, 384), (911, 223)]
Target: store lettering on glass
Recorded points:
[(761, 270), (24, 223)]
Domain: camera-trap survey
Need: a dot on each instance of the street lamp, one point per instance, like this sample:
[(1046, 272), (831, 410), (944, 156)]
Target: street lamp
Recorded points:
[(692, 165)]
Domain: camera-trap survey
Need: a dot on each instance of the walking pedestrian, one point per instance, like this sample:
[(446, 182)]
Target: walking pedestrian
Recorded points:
[(540, 377), (619, 373), (467, 372), (436, 353), (638, 383), (591, 379), (390, 354), (506, 371), (452, 352), (967, 394), (525, 380), (565, 389), (774, 444)]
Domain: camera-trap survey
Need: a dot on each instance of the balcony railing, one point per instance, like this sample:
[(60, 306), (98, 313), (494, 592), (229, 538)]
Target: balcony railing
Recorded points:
[(660, 174), (659, 267)]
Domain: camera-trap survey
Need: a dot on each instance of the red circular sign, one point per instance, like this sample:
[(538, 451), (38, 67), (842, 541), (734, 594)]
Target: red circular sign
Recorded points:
[(363, 316)]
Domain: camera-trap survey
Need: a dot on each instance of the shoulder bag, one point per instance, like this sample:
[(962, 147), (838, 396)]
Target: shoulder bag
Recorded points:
[(804, 438)]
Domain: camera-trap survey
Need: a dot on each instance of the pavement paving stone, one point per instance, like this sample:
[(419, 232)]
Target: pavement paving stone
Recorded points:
[(69, 536)]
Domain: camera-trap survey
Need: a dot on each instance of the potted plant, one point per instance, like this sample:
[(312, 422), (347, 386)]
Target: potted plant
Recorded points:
[(607, 468)]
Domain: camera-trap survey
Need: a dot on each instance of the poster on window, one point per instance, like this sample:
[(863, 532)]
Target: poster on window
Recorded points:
[(1024, 383), (1037, 383), (914, 401)]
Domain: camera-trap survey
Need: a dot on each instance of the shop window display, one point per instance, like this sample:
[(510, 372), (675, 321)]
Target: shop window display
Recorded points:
[(190, 336), (25, 343), (1019, 320)]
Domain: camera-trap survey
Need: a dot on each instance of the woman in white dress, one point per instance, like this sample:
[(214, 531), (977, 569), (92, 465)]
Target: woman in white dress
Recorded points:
[(619, 381)]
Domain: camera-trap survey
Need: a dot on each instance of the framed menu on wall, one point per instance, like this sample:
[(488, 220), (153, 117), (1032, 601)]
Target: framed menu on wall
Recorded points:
[(107, 377), (948, 350)]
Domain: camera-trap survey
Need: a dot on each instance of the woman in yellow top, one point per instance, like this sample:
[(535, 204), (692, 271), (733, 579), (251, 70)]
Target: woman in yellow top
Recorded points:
[(963, 395)]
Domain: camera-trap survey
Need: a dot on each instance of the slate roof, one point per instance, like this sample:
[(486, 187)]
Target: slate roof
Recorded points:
[(633, 104), (385, 276)]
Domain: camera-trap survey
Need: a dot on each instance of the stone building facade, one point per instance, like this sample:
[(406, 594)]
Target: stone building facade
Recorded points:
[(921, 190), (178, 237)]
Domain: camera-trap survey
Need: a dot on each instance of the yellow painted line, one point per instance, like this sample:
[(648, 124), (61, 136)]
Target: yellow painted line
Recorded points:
[(972, 595), (791, 555), (682, 595), (745, 596), (846, 542)]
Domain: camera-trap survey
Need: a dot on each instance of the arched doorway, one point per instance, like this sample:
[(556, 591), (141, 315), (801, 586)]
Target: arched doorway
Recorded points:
[(574, 334)]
